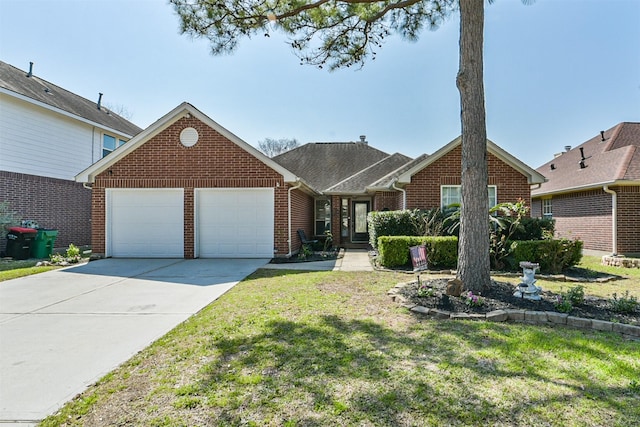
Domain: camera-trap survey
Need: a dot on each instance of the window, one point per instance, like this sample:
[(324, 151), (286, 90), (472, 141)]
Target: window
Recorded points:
[(323, 216), (547, 208), (110, 143), (450, 194)]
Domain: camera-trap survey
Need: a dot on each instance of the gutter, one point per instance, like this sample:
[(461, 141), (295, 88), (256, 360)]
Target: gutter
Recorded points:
[(295, 187), (614, 218), (404, 194)]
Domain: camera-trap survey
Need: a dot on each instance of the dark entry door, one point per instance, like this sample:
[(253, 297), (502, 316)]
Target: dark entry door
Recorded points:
[(360, 227)]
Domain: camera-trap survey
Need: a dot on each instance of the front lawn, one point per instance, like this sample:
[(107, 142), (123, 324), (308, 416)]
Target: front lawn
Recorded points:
[(12, 269), (288, 348)]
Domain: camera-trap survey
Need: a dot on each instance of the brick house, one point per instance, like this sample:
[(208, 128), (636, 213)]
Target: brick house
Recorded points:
[(187, 187), (593, 191), (47, 136)]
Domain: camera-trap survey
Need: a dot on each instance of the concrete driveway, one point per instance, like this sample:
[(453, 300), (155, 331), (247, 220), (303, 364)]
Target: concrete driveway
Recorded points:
[(62, 330)]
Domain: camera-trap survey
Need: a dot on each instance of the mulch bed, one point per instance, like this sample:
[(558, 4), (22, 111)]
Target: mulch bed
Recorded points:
[(500, 296)]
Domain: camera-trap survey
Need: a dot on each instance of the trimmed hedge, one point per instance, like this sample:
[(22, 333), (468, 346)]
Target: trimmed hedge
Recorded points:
[(442, 252), (554, 256)]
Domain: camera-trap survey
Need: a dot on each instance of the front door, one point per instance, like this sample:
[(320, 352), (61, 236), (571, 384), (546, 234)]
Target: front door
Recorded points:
[(360, 228)]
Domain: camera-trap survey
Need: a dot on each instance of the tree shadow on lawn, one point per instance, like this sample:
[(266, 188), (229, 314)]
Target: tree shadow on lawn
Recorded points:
[(331, 371)]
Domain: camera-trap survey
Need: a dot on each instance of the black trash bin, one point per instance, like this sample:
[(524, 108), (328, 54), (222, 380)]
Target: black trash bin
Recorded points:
[(19, 240)]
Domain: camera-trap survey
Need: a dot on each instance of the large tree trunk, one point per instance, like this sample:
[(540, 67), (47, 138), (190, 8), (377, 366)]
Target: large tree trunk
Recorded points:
[(473, 262)]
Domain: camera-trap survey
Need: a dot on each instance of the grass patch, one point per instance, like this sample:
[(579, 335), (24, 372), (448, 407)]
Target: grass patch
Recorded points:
[(13, 269), (330, 348)]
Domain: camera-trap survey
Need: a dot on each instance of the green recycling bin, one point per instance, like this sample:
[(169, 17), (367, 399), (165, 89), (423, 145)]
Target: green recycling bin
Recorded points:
[(42, 245)]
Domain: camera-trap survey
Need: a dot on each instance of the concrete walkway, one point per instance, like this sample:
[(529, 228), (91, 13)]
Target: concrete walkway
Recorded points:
[(62, 330), (351, 260)]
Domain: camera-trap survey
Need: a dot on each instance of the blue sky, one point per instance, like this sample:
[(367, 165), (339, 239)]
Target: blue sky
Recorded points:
[(556, 73)]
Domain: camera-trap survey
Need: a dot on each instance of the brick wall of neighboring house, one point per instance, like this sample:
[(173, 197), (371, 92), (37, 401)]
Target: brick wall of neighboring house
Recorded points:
[(586, 216), (52, 203), (302, 216), (628, 220), (387, 200), (214, 162), (536, 208), (424, 190)]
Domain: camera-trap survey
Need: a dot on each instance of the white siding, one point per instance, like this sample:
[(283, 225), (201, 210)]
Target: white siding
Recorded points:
[(39, 142)]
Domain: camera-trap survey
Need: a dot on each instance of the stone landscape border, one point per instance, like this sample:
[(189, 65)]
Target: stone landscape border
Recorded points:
[(517, 315)]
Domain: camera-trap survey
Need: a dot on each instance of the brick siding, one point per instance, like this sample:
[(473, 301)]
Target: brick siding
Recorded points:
[(302, 216), (214, 162), (424, 190), (387, 200), (53, 203), (628, 220), (586, 215)]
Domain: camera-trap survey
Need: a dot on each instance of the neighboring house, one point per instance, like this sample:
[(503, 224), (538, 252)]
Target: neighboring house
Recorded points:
[(187, 187), (47, 136), (593, 191)]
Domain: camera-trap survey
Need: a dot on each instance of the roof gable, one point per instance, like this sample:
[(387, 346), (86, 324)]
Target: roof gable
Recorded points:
[(533, 177), (31, 88), (323, 165), (182, 110), (610, 157)]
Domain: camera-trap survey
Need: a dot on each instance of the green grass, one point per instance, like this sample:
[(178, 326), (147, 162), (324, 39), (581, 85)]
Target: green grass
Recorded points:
[(14, 269), (330, 348)]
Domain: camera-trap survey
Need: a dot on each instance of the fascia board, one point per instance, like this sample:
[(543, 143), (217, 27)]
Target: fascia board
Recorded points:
[(595, 186), (88, 175), (63, 112), (405, 178), (533, 177), (286, 174)]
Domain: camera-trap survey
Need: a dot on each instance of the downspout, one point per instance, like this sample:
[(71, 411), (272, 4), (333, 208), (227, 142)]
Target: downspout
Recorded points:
[(404, 195), (87, 186), (289, 211), (614, 218)]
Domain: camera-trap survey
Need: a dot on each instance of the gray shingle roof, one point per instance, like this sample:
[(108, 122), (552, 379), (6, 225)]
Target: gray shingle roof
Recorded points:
[(616, 157), (15, 80), (388, 180), (325, 164), (358, 183)]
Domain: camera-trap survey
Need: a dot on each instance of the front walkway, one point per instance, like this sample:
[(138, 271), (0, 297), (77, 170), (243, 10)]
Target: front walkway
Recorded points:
[(352, 260)]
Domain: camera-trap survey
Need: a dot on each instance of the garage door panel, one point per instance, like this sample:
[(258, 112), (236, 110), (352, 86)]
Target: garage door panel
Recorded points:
[(145, 223), (234, 222)]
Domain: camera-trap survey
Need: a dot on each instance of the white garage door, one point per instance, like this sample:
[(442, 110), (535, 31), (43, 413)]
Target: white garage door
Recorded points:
[(145, 223), (234, 222)]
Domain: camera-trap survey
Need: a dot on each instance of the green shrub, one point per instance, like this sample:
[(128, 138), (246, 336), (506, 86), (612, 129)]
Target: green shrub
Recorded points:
[(8, 218), (391, 223), (554, 256), (534, 229), (442, 252), (405, 223), (623, 304), (575, 295)]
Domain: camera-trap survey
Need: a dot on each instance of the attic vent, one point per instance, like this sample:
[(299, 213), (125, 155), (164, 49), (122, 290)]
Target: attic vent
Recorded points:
[(189, 137), (567, 148), (363, 139)]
